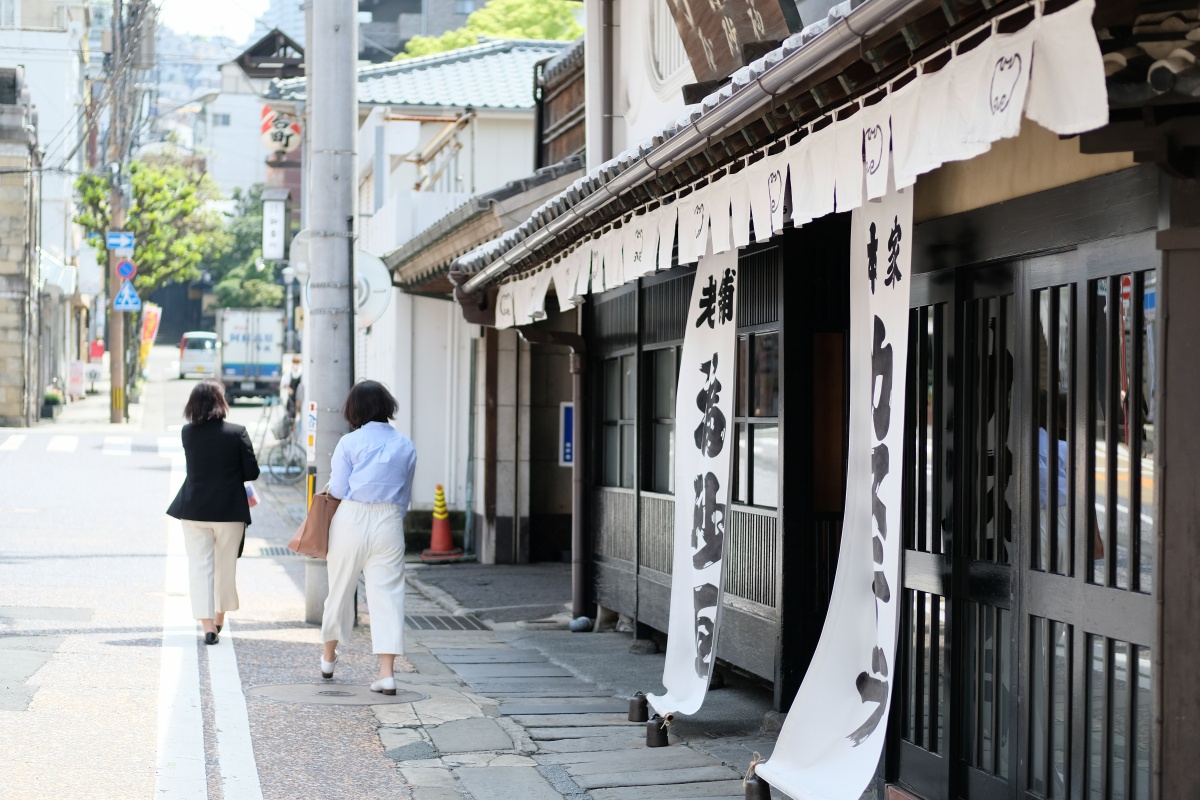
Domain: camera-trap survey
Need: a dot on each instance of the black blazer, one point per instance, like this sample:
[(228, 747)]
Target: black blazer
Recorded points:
[(220, 458)]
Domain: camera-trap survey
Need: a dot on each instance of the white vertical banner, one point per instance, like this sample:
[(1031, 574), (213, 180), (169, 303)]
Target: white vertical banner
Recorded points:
[(831, 742), (703, 453), (274, 214)]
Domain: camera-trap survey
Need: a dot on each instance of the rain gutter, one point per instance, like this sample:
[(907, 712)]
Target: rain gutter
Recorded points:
[(848, 33)]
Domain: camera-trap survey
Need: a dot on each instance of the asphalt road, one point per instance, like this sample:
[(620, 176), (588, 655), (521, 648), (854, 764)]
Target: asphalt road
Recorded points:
[(105, 688)]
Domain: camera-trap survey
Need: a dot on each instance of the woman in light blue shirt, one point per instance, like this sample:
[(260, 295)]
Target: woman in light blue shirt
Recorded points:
[(372, 475)]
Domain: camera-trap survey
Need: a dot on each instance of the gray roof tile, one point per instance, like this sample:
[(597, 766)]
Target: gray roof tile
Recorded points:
[(495, 74)]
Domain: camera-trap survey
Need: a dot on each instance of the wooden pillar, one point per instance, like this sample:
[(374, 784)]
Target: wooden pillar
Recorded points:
[(1178, 433)]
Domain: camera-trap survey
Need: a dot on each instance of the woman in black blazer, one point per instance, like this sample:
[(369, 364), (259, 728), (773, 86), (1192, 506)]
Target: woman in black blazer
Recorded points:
[(212, 503)]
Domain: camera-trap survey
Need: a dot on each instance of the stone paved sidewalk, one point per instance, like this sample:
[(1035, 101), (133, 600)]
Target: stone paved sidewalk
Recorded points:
[(542, 732)]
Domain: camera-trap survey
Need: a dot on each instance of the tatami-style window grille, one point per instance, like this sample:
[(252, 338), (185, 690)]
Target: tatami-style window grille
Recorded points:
[(666, 46), (662, 377), (618, 434), (756, 425)]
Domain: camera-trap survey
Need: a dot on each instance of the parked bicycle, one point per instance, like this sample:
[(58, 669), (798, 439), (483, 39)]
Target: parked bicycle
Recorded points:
[(286, 462)]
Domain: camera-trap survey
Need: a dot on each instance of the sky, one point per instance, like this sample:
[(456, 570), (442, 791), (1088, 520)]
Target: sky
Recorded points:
[(232, 18)]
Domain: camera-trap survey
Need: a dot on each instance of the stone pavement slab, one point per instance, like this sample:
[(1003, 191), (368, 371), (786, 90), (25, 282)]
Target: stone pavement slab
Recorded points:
[(543, 669), (573, 720), (611, 761), (656, 777), (497, 655), (470, 736), (545, 685), (635, 728), (556, 706), (680, 791), (594, 744), (507, 783)]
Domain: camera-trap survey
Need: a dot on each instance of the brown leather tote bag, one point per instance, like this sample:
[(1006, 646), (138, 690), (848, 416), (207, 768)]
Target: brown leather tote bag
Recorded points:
[(312, 537)]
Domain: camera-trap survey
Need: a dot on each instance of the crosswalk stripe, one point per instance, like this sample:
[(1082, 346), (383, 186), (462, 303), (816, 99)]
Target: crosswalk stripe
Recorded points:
[(62, 444), (169, 446), (13, 442), (117, 446)]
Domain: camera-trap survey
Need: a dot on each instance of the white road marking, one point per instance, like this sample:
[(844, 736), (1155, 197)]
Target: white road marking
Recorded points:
[(239, 771), (118, 446), (169, 446), (181, 767), (13, 441), (179, 770), (62, 444)]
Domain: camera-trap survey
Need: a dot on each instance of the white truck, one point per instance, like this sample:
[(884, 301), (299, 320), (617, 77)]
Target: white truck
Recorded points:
[(251, 351)]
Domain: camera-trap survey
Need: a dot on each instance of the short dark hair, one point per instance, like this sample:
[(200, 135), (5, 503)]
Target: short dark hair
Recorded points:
[(368, 401), (206, 402)]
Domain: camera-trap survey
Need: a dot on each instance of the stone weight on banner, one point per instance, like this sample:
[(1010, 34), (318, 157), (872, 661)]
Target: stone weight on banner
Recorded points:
[(658, 730), (639, 709)]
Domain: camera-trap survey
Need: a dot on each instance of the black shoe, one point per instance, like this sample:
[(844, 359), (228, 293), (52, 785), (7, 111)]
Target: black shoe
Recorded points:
[(210, 638), (218, 629)]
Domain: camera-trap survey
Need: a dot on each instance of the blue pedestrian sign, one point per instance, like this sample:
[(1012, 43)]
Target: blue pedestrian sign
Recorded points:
[(127, 299), (566, 434), (119, 240)]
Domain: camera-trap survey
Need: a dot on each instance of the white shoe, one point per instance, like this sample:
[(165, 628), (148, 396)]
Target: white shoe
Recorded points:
[(327, 667), (385, 685)]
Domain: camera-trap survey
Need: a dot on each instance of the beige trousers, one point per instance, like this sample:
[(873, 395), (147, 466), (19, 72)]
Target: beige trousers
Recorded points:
[(366, 538), (212, 549)]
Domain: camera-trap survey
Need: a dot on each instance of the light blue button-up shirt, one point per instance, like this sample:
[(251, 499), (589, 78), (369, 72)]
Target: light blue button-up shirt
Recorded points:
[(374, 464)]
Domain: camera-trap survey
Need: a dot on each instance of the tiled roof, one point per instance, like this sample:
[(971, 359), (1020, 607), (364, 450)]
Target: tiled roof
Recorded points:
[(495, 74), (569, 59), (776, 73), (398, 260)]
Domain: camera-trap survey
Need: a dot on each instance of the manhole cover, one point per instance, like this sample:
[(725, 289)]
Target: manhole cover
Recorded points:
[(337, 695), (275, 551)]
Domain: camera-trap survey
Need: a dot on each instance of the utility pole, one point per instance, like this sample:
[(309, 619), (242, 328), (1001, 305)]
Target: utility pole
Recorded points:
[(332, 85), (116, 203), (332, 82)]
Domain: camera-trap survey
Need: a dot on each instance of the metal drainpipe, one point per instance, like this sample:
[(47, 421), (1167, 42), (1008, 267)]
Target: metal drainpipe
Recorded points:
[(606, 81), (578, 345)]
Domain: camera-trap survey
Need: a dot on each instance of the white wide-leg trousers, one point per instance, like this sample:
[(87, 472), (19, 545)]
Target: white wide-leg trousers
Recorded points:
[(212, 549), (366, 538)]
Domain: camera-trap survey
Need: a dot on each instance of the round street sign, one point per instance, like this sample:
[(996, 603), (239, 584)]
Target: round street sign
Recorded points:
[(126, 269)]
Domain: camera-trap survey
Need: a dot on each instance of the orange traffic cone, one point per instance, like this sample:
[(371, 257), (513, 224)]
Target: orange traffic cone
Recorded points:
[(441, 546)]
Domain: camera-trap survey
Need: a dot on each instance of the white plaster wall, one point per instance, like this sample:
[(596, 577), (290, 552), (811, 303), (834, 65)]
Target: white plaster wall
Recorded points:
[(236, 156), (643, 104), (421, 349), (54, 75)]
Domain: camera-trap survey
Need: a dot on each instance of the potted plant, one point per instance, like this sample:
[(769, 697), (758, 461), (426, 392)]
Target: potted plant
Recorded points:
[(52, 403)]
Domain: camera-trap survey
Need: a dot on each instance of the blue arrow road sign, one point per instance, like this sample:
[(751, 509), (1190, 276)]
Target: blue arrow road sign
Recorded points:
[(126, 269), (127, 299), (119, 240)]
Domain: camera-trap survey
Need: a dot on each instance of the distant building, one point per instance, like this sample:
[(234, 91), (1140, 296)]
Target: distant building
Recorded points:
[(19, 385), (227, 130), (47, 40)]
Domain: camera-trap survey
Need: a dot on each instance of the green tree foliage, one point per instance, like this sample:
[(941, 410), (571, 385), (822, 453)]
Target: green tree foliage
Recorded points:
[(249, 286), (242, 278), (504, 19), (243, 227), (172, 218)]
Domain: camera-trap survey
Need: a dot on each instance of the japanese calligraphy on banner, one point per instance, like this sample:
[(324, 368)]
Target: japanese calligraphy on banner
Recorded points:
[(830, 744), (703, 453)]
